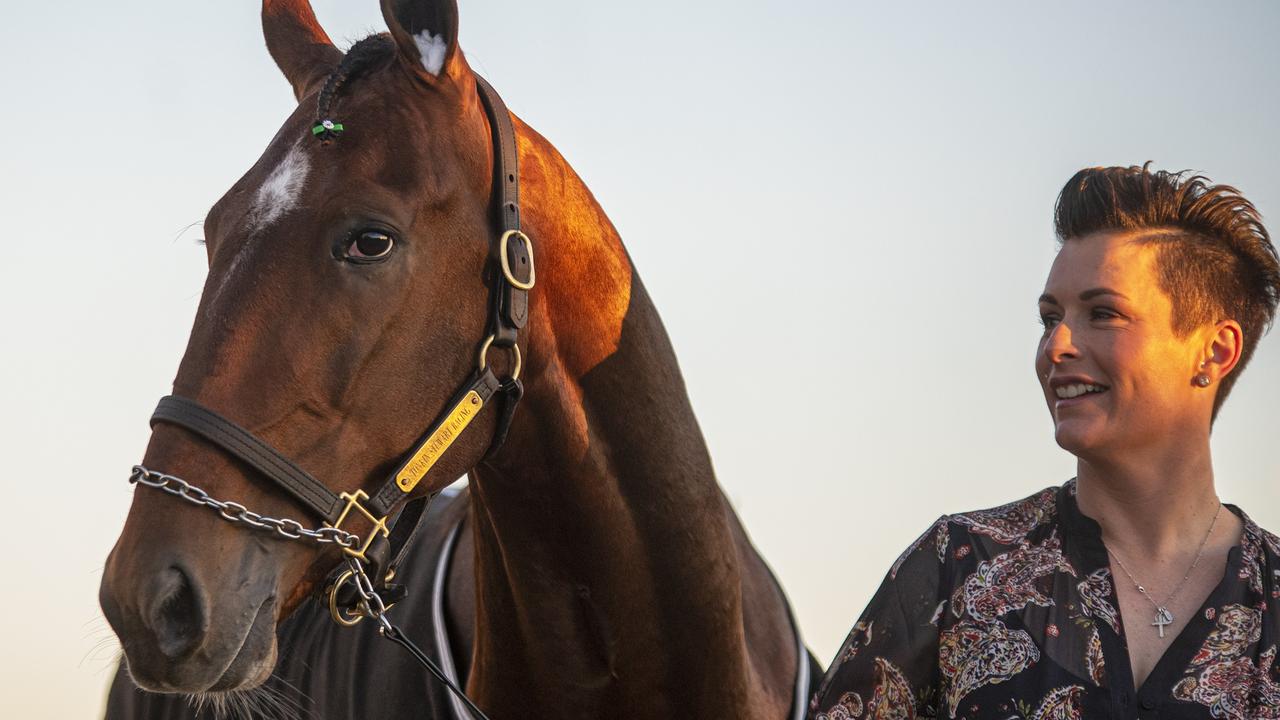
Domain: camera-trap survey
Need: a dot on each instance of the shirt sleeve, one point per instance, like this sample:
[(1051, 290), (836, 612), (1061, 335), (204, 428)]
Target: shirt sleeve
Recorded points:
[(888, 665)]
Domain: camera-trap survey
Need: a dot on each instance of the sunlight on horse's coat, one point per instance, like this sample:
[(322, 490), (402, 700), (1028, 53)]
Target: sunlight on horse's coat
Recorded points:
[(432, 48), (589, 268)]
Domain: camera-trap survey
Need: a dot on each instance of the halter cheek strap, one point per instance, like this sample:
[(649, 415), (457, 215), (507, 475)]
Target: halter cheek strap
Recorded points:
[(512, 253)]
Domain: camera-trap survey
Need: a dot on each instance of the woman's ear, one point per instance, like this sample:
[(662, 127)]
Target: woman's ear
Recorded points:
[(426, 33), (298, 44), (1222, 352)]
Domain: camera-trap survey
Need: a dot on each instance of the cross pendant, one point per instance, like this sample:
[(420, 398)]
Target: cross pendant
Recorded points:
[(1163, 617)]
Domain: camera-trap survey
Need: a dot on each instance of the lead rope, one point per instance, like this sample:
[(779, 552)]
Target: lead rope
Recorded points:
[(374, 608)]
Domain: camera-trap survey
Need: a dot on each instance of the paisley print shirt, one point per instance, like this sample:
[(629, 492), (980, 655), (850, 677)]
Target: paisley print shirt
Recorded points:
[(1010, 614)]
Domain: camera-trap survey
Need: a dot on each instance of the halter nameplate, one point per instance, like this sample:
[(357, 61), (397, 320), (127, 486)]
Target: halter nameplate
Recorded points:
[(422, 460)]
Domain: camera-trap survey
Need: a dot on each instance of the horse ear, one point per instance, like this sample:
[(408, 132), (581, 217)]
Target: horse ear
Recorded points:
[(426, 32), (298, 44)]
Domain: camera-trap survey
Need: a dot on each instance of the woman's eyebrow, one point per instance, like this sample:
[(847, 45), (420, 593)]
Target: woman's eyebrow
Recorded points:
[(1095, 292), (1087, 295)]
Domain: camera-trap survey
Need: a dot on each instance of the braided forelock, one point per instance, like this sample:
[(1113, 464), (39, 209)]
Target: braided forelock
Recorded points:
[(365, 55)]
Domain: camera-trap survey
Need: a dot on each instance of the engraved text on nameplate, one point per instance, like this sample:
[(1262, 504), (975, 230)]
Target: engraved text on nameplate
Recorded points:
[(433, 447)]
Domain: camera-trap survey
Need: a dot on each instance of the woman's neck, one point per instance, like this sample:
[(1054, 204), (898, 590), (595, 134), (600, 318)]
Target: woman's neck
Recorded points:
[(1148, 502)]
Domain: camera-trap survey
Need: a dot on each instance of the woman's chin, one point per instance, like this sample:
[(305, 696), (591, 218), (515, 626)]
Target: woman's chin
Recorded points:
[(1079, 437)]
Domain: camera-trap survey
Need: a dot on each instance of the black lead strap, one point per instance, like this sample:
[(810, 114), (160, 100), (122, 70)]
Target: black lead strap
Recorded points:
[(395, 635)]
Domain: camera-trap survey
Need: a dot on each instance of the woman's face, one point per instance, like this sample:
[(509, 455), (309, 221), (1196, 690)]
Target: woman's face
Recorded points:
[(1114, 373)]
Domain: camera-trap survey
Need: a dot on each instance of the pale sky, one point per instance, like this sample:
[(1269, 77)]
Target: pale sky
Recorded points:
[(841, 209)]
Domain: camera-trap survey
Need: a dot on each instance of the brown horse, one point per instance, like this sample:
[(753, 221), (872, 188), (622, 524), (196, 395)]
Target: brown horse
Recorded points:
[(345, 297)]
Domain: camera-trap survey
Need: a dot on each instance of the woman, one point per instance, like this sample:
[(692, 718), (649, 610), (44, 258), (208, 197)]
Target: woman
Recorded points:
[(1130, 591)]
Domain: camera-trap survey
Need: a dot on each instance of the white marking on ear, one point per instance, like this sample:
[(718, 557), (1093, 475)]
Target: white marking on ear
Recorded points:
[(279, 192), (432, 49)]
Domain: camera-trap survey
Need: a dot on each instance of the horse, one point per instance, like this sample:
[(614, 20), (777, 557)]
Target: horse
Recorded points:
[(592, 568)]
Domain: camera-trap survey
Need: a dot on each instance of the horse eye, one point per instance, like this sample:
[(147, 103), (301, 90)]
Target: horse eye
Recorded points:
[(368, 245)]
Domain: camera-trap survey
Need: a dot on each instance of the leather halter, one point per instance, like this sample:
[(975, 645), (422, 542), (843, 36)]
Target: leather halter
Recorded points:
[(510, 274)]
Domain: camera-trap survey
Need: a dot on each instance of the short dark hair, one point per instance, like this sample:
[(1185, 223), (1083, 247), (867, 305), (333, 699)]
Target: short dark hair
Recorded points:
[(1216, 259)]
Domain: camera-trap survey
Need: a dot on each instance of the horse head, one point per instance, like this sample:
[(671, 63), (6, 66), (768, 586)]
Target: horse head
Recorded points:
[(345, 302)]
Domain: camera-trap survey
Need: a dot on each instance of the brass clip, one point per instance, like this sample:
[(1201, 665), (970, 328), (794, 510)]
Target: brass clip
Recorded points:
[(379, 523), (339, 615), (342, 616)]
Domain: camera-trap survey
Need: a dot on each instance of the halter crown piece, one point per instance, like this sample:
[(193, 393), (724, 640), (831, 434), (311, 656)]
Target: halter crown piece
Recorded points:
[(362, 580)]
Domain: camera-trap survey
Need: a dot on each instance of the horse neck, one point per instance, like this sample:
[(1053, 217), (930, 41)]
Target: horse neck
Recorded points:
[(607, 558)]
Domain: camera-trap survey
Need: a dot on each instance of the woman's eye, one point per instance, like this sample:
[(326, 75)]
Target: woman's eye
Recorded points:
[(1048, 321), (1104, 314), (369, 245)]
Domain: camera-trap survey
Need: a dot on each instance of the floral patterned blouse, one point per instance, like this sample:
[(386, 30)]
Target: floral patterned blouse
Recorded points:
[(1010, 614)]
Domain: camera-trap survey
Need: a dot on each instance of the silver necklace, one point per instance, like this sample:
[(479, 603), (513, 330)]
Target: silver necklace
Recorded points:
[(1163, 617)]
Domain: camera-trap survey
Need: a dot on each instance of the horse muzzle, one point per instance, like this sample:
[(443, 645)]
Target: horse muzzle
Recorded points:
[(178, 636)]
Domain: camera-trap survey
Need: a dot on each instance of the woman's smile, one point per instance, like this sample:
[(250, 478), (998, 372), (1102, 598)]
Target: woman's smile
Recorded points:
[(1074, 390)]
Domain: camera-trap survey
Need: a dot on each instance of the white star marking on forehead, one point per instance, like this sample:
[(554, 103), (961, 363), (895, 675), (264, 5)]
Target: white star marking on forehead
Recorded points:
[(279, 192), (278, 195)]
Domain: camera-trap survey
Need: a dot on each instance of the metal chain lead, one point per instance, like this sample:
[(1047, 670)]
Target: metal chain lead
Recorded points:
[(371, 603), (237, 513)]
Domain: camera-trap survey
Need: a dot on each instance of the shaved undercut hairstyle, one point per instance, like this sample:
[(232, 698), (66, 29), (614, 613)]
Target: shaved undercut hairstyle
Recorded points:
[(1216, 259)]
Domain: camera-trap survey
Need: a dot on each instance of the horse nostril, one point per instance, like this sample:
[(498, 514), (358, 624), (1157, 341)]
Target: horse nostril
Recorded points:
[(178, 618)]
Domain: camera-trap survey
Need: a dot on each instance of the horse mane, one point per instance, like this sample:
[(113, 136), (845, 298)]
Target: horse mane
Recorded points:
[(365, 55)]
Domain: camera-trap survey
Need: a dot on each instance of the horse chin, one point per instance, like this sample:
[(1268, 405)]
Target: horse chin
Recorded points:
[(251, 663), (256, 659)]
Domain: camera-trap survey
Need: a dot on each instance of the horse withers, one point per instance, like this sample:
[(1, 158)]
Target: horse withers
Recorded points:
[(350, 289)]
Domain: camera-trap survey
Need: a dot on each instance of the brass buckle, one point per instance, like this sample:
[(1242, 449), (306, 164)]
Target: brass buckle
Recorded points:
[(379, 523), (506, 264)]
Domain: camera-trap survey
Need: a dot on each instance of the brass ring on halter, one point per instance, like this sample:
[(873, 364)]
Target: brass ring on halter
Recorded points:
[(506, 264), (339, 615), (484, 360)]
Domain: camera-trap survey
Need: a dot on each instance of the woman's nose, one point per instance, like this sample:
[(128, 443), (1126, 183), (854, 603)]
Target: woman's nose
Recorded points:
[(1058, 345)]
